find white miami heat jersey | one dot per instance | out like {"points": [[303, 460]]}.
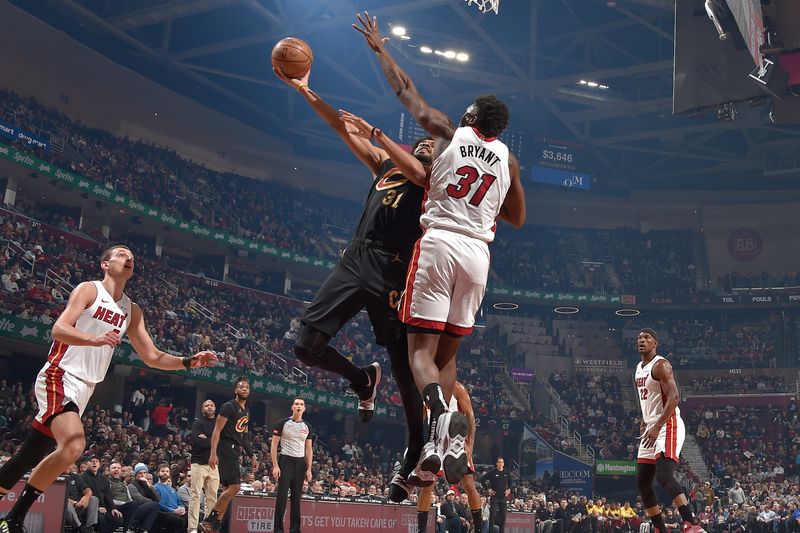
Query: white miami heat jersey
{"points": [[651, 399], [468, 185], [90, 363]]}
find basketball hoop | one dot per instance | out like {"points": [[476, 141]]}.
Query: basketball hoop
{"points": [[484, 6]]}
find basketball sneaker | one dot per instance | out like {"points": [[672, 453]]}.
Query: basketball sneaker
{"points": [[11, 525], [424, 474], [399, 489], [366, 396], [452, 437], [207, 527]]}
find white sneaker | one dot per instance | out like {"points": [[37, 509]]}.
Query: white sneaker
{"points": [[452, 436], [424, 474]]}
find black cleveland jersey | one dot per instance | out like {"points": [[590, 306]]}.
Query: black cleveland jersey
{"points": [[391, 213], [234, 433]]}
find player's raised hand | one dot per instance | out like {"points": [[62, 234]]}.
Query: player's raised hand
{"points": [[204, 358], [356, 125], [294, 83], [109, 338], [371, 31]]}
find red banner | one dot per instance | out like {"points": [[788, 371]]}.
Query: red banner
{"points": [[46, 514], [256, 514], [520, 523]]}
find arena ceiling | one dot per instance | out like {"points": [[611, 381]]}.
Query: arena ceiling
{"points": [[532, 55]]}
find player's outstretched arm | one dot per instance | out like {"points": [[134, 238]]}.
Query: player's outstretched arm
{"points": [[513, 209], [433, 120], [153, 357], [411, 167], [372, 156], [64, 329]]}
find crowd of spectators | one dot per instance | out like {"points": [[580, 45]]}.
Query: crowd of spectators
{"points": [[713, 342], [732, 339], [760, 444], [621, 260], [597, 413], [738, 384], [248, 329], [742, 280]]}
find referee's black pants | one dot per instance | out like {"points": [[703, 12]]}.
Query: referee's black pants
{"points": [[293, 472], [497, 513]]}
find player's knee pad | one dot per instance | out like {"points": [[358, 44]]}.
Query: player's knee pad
{"points": [[645, 472], [35, 448], [665, 477], [310, 345]]}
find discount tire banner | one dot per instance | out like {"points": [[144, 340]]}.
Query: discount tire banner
{"points": [[256, 514]]}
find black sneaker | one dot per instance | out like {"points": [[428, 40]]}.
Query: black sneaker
{"points": [[424, 473], [366, 396], [399, 489], [207, 527], [11, 525]]}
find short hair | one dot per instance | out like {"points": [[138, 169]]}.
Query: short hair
{"points": [[492, 116], [106, 255], [420, 141], [649, 331], [239, 380], [163, 465], [299, 398]]}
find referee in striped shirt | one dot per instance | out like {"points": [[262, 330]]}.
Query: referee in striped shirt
{"points": [[292, 437]]}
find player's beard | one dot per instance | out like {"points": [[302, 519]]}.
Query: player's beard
{"points": [[240, 397], [424, 159]]}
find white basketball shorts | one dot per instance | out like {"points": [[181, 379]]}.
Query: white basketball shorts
{"points": [[446, 282], [54, 389], [668, 444]]}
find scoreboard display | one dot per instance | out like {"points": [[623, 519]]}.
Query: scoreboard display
{"points": [[409, 130], [557, 162]]}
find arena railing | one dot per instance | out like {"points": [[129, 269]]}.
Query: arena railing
{"points": [[51, 277], [13, 247]]}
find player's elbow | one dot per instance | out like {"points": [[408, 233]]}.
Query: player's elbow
{"points": [[514, 217], [518, 221]]}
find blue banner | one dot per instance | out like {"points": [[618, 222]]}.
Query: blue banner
{"points": [[576, 476], [560, 177], [14, 133]]}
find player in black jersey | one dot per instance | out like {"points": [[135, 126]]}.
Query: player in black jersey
{"points": [[371, 275], [230, 436]]}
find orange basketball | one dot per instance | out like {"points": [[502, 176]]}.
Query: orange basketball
{"points": [[293, 57]]}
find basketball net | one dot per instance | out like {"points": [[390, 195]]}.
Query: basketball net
{"points": [[486, 5]]}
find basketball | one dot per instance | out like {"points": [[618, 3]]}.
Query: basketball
{"points": [[293, 57]]}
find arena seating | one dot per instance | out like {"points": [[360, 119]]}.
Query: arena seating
{"points": [[536, 257]]}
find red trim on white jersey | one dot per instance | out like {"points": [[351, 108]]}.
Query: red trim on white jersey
{"points": [[457, 330]]}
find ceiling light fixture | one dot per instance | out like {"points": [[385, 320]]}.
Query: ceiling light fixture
{"points": [[462, 56], [398, 31], [449, 54], [426, 49]]}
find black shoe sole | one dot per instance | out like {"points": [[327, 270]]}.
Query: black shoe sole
{"points": [[415, 481], [456, 467]]}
